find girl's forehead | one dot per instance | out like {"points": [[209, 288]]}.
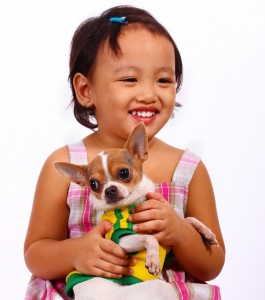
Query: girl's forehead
{"points": [[133, 40], [139, 33]]}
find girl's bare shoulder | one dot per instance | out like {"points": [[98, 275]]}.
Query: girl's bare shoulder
{"points": [[171, 152], [162, 157], [60, 154], [48, 172]]}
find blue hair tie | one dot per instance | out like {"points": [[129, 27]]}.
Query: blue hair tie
{"points": [[121, 20]]}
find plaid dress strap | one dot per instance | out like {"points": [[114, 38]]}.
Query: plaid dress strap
{"points": [[176, 191], [78, 153], [186, 167]]}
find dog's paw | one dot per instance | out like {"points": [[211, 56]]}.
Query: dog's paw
{"points": [[152, 264], [208, 235], [205, 232]]}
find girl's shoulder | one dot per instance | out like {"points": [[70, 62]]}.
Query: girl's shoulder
{"points": [[168, 151], [162, 157], [60, 154], [48, 170]]}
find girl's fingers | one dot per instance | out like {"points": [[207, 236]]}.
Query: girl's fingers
{"points": [[110, 271], [147, 205], [114, 249], [155, 196], [148, 227], [110, 265], [155, 201], [146, 215], [103, 227], [112, 259]]}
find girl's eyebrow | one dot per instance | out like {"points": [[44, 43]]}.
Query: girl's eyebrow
{"points": [[126, 68], [135, 68], [166, 69]]}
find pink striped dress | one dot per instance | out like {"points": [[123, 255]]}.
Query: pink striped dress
{"points": [[82, 218]]}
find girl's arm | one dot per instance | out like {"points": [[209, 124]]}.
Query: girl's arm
{"points": [[48, 252], [208, 260], [199, 259]]}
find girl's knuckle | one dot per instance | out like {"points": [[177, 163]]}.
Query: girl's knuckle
{"points": [[159, 225]]}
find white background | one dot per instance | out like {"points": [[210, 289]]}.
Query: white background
{"points": [[222, 44]]}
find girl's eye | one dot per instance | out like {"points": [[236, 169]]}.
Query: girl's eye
{"points": [[94, 185], [129, 79], [164, 80], [124, 174]]}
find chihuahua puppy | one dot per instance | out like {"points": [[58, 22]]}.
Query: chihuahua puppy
{"points": [[117, 185]]}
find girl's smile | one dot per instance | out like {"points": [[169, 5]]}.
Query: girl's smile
{"points": [[144, 114]]}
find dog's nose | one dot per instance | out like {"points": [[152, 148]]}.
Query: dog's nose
{"points": [[111, 191]]}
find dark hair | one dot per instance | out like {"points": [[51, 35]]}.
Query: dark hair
{"points": [[92, 33]]}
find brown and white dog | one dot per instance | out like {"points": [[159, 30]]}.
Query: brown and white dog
{"points": [[116, 180]]}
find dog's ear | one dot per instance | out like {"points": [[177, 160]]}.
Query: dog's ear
{"points": [[137, 143], [72, 172]]}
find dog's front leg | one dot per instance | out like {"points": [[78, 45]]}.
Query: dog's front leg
{"points": [[137, 242], [205, 232]]}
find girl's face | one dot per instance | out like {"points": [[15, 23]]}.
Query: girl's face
{"points": [[137, 86]]}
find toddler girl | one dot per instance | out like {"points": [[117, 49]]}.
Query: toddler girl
{"points": [[125, 68]]}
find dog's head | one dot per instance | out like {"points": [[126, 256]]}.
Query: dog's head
{"points": [[115, 176]]}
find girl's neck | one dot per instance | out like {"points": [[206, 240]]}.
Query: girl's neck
{"points": [[103, 142]]}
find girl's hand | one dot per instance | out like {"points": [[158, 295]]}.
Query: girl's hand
{"points": [[98, 256], [156, 216]]}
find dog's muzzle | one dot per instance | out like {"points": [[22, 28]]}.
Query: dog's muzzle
{"points": [[112, 194]]}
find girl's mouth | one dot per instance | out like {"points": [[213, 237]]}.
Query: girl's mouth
{"points": [[145, 116]]}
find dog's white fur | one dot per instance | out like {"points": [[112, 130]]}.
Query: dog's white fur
{"points": [[102, 289]]}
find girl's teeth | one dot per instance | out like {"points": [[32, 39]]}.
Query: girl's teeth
{"points": [[143, 114]]}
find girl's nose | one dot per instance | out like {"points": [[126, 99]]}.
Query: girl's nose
{"points": [[146, 94]]}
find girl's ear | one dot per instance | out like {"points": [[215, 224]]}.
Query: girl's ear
{"points": [[82, 88]]}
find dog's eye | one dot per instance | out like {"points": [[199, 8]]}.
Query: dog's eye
{"points": [[124, 174], [94, 185]]}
